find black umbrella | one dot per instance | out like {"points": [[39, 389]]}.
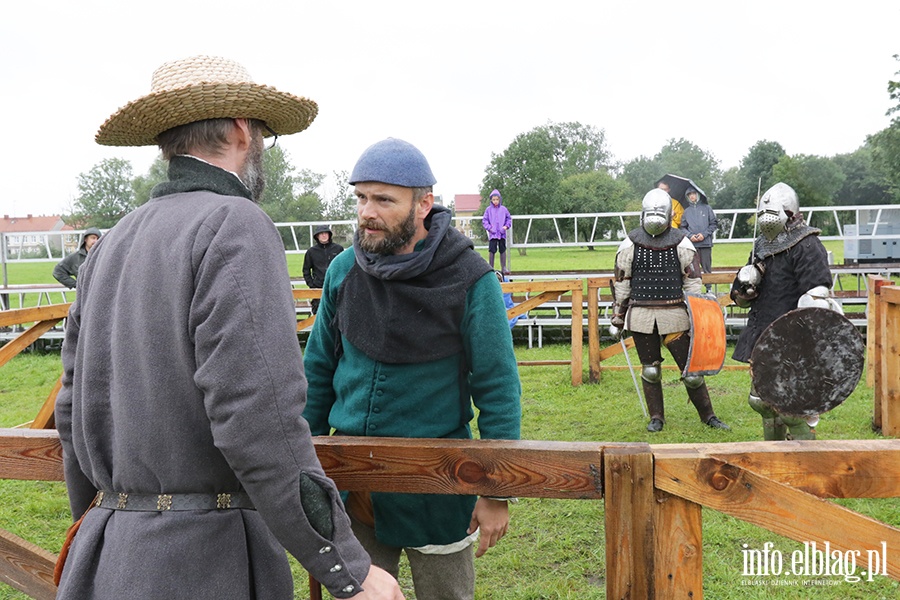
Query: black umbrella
{"points": [[678, 186]]}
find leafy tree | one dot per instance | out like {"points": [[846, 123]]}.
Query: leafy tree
{"points": [[596, 192], [678, 157], [886, 143], [863, 183], [341, 205], [815, 179], [753, 176], [144, 184], [105, 195], [529, 172]]}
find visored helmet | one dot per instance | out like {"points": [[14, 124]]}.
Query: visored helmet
{"points": [[656, 212], [777, 205]]}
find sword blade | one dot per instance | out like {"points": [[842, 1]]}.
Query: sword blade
{"points": [[634, 378]]}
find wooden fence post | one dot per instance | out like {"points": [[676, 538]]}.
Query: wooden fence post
{"points": [[678, 552], [593, 302], [628, 514], [874, 334], [577, 333], [890, 361]]}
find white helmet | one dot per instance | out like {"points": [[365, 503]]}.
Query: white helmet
{"points": [[776, 206], [656, 211]]}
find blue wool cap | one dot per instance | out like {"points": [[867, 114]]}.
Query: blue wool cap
{"points": [[394, 162]]}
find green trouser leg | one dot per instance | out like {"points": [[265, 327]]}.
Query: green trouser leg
{"points": [[773, 427], [799, 428]]}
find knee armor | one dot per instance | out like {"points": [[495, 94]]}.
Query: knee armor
{"points": [[651, 373], [692, 382]]}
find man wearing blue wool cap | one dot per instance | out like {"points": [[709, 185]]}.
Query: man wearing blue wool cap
{"points": [[411, 331]]}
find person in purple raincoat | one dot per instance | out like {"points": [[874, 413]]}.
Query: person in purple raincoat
{"points": [[497, 222]]}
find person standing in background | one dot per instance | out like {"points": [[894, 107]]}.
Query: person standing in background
{"points": [[496, 222]]}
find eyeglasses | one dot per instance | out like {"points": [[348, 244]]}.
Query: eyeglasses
{"points": [[274, 136]]}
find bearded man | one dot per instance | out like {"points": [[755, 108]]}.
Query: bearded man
{"points": [[183, 388], [411, 331]]}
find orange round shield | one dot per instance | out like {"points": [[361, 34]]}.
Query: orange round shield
{"points": [[707, 353]]}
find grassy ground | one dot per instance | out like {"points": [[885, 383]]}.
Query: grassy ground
{"points": [[555, 548]]}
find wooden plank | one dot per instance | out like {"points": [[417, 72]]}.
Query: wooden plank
{"points": [[28, 337], [30, 454], [577, 335], [26, 567], [307, 322], [593, 333], [307, 294], [890, 364], [530, 303], [556, 285], [891, 294], [543, 363], [483, 467], [779, 508], [45, 418], [615, 349], [678, 556], [37, 313], [874, 336], [628, 515], [824, 468]]}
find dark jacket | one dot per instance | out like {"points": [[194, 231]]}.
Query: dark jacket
{"points": [[699, 218], [318, 257], [789, 275], [66, 270]]}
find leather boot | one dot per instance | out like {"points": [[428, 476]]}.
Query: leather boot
{"points": [[654, 395], [503, 268], [491, 256]]}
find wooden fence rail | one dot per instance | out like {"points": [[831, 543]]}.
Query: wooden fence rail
{"points": [[653, 495]]}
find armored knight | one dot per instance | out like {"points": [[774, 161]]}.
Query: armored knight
{"points": [[788, 268], [655, 265]]}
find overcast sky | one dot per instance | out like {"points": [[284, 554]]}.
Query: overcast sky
{"points": [[460, 79]]}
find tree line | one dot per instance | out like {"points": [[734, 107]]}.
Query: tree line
{"points": [[556, 168]]}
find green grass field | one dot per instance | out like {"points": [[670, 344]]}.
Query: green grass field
{"points": [[555, 548]]}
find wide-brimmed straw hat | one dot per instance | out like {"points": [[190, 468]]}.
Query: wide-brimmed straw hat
{"points": [[198, 88]]}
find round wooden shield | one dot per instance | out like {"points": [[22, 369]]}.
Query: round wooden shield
{"points": [[807, 361]]}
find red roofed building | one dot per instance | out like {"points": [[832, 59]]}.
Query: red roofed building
{"points": [[25, 235], [466, 205]]}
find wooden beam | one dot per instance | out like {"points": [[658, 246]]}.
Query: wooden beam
{"points": [[824, 468], [26, 567], [890, 361], [448, 466], [779, 508], [28, 337], [873, 341], [616, 349], [628, 515], [593, 292], [577, 335], [30, 454], [37, 313], [678, 555], [46, 419]]}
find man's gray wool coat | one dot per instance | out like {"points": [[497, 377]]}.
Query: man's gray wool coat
{"points": [[182, 373]]}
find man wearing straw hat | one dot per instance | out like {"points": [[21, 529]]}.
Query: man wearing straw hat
{"points": [[180, 413]]}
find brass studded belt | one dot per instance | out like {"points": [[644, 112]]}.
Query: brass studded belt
{"points": [[163, 502]]}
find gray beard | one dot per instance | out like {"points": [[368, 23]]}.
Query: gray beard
{"points": [[252, 173]]}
